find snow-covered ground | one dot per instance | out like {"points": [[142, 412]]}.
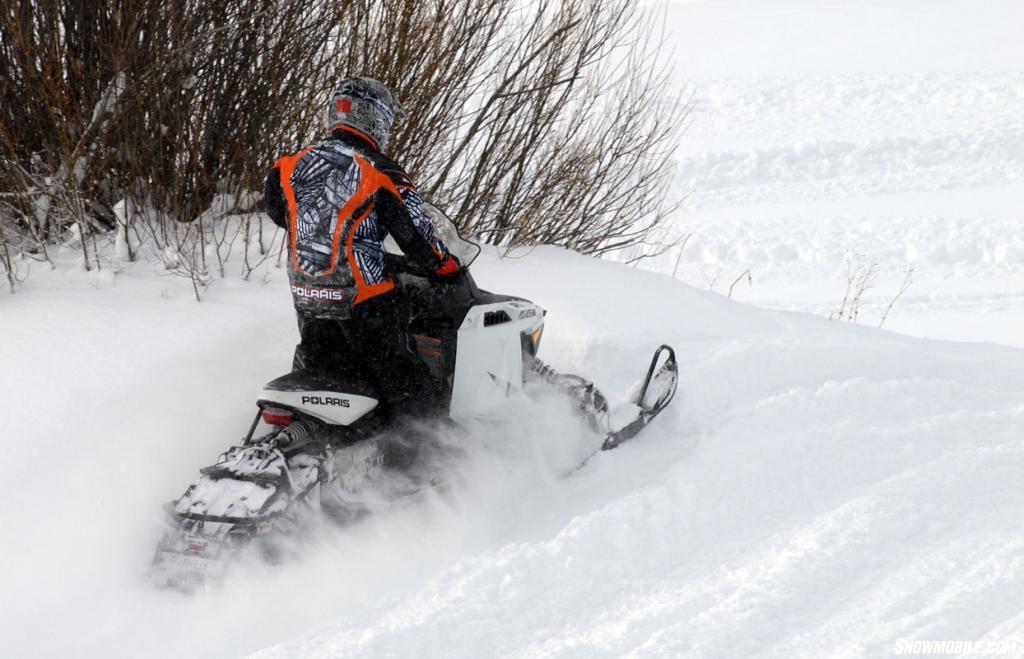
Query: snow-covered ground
{"points": [[819, 488], [880, 133]]}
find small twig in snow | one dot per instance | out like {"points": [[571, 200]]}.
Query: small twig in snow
{"points": [[908, 279], [745, 273], [679, 257]]}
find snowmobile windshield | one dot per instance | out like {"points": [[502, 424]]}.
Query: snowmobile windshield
{"points": [[464, 250]]}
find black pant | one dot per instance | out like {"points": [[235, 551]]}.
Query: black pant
{"points": [[374, 342]]}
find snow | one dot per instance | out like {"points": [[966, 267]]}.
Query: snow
{"points": [[817, 488], [890, 132], [783, 505]]}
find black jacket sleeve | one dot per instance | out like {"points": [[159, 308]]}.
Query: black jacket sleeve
{"points": [[395, 217], [273, 199]]}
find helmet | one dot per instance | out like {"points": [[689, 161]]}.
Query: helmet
{"points": [[365, 105]]}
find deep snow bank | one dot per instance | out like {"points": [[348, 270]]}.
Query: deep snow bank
{"points": [[818, 487]]}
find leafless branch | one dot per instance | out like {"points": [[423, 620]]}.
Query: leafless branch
{"points": [[746, 274], [908, 279]]}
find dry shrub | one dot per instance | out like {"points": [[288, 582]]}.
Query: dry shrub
{"points": [[541, 122], [162, 102]]}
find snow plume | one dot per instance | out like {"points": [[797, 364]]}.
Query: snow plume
{"points": [[109, 426], [501, 484]]}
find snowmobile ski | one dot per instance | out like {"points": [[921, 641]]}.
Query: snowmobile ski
{"points": [[656, 393]]}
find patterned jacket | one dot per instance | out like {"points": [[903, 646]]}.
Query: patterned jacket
{"points": [[338, 200]]}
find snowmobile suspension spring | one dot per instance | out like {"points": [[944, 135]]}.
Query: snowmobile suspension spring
{"points": [[564, 380], [295, 434]]}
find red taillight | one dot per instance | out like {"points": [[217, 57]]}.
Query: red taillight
{"points": [[275, 416]]}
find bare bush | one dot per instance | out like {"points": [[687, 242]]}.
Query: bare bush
{"points": [[541, 122], [544, 124], [6, 261], [164, 103], [861, 273]]}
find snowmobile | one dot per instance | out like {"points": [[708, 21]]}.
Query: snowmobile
{"points": [[316, 435]]}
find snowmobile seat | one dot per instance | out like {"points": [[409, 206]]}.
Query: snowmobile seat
{"points": [[311, 379]]}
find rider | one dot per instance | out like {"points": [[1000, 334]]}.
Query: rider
{"points": [[339, 199]]}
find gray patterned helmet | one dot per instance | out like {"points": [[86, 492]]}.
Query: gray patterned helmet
{"points": [[365, 105]]}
